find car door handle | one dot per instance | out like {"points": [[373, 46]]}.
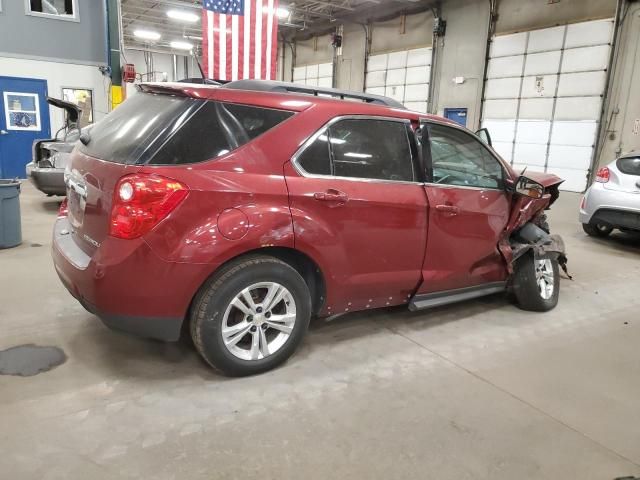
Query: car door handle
{"points": [[331, 195], [448, 209]]}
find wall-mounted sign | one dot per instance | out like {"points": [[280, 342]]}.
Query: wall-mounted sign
{"points": [[636, 127]]}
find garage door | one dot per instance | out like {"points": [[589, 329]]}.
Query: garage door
{"points": [[316, 75], [403, 76], [543, 97]]}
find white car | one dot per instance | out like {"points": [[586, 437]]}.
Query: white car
{"points": [[613, 201]]}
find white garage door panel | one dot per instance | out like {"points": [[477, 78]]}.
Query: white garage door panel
{"points": [[504, 149], [505, 67], [416, 106], [325, 82], [501, 108], [500, 130], [505, 45], [419, 56], [530, 154], [589, 33], [376, 90], [418, 75], [573, 133], [532, 131], [574, 180], [325, 70], [376, 79], [502, 88], [581, 84], [578, 108], [299, 73], [536, 108], [395, 92], [416, 93], [547, 88], [397, 60], [542, 63], [585, 58], [377, 62], [563, 156], [312, 71], [396, 77], [312, 81], [545, 39]]}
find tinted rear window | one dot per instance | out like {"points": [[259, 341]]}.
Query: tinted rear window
{"points": [[629, 165], [168, 130]]}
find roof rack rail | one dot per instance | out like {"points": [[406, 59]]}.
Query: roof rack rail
{"points": [[286, 87]]}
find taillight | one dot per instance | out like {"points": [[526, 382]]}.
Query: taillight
{"points": [[63, 211], [602, 175], [141, 201]]}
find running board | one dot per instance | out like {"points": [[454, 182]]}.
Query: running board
{"points": [[430, 300]]}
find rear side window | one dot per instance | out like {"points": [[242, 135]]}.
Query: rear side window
{"points": [[168, 130], [315, 159], [629, 165]]}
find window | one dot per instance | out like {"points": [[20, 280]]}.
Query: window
{"points": [[83, 98], [60, 9], [629, 165], [371, 149], [457, 158], [22, 111], [170, 130]]}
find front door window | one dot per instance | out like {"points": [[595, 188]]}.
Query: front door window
{"points": [[22, 111]]}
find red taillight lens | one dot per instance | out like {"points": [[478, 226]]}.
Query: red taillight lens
{"points": [[603, 175], [63, 211], [141, 201]]}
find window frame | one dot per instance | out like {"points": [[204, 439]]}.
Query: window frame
{"points": [[65, 18], [93, 119], [506, 174], [415, 162]]}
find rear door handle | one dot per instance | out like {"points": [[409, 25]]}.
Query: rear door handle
{"points": [[331, 195], [449, 209]]}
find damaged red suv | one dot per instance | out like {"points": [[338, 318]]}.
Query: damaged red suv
{"points": [[244, 210]]}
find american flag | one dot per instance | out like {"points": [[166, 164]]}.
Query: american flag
{"points": [[240, 39]]}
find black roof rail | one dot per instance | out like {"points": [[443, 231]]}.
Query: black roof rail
{"points": [[286, 87]]}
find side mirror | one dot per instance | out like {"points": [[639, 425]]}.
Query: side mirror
{"points": [[529, 188], [484, 135]]}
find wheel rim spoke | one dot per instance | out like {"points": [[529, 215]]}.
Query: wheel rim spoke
{"points": [[232, 335], [255, 345], [280, 327], [246, 296], [240, 305]]}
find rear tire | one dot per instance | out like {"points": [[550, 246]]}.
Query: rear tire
{"points": [[597, 229], [536, 282], [238, 328]]}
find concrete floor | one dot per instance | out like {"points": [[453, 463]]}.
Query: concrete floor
{"points": [[471, 391]]}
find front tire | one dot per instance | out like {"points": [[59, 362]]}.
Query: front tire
{"points": [[251, 316], [536, 282], [597, 229]]}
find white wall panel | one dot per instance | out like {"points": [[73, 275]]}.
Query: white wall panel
{"points": [[325, 70], [312, 82], [507, 108], [418, 74], [578, 108], [589, 33], [505, 45], [397, 60], [500, 130], [505, 66], [377, 63], [531, 154], [536, 108], [416, 93], [325, 82], [504, 149], [502, 88], [533, 131], [574, 133], [312, 71], [396, 92], [539, 86], [574, 180], [585, 58], [418, 56], [581, 84], [416, 106], [376, 90], [396, 76], [376, 79], [299, 73], [567, 156], [546, 39], [542, 63]]}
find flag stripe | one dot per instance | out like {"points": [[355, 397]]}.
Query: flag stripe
{"points": [[234, 47], [267, 26], [246, 51]]}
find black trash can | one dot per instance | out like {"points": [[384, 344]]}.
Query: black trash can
{"points": [[10, 228]]}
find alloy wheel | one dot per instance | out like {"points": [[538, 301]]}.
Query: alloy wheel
{"points": [[544, 277]]}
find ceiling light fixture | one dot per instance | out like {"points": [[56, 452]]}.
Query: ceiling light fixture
{"points": [[147, 34], [183, 16], [181, 45]]}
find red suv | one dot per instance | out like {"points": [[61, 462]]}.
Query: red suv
{"points": [[246, 209]]}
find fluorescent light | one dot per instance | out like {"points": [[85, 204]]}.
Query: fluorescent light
{"points": [[147, 34], [357, 155], [282, 12], [183, 16], [181, 45]]}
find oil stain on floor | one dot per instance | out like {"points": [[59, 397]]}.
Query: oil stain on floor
{"points": [[29, 360]]}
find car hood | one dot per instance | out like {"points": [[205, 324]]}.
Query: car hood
{"points": [[73, 111]]}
